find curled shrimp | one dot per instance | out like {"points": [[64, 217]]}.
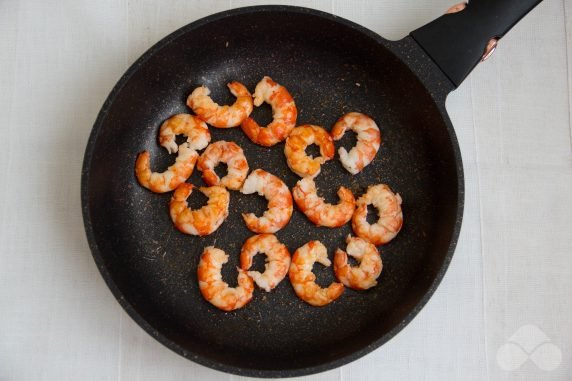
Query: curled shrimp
{"points": [[221, 116], [277, 260], [295, 149], [196, 131], [363, 276], [368, 141], [205, 220], [390, 216], [198, 137], [317, 210], [214, 289], [284, 114], [303, 279], [175, 175], [279, 202], [229, 153]]}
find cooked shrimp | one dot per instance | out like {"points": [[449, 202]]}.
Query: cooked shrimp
{"points": [[214, 289], [295, 149], [229, 153], [277, 260], [390, 216], [196, 131], [221, 116], [279, 202], [284, 114], [175, 175], [368, 141], [317, 210], [363, 276], [205, 220], [303, 279]]}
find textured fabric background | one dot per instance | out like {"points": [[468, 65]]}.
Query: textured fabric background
{"points": [[512, 270]]}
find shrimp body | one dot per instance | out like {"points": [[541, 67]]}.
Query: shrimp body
{"points": [[284, 114], [277, 260], [214, 289], [196, 131], [229, 153], [303, 279], [279, 202], [317, 210], [221, 116], [205, 220], [390, 216], [175, 175], [368, 140], [363, 276], [295, 149]]}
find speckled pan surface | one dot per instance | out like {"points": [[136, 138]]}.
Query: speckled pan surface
{"points": [[330, 66]]}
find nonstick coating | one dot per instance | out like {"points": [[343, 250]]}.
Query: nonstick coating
{"points": [[331, 67]]}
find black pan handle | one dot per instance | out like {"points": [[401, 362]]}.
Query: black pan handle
{"points": [[457, 41]]}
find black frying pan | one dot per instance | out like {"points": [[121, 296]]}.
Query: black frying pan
{"points": [[331, 66]]}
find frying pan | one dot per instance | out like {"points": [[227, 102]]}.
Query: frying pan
{"points": [[331, 66]]}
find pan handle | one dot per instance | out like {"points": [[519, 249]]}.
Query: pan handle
{"points": [[467, 34]]}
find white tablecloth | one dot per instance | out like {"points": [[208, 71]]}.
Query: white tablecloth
{"points": [[513, 266]]}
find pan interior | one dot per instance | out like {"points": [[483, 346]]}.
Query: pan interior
{"points": [[330, 68]]}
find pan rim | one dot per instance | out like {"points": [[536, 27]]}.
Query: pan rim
{"points": [[140, 320]]}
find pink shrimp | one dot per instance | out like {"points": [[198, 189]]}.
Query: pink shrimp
{"points": [[279, 202], [277, 260], [303, 279], [196, 131], [364, 275], [170, 179], [284, 114], [214, 289], [368, 141], [317, 210], [229, 153], [221, 116], [205, 220], [295, 149], [390, 216]]}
